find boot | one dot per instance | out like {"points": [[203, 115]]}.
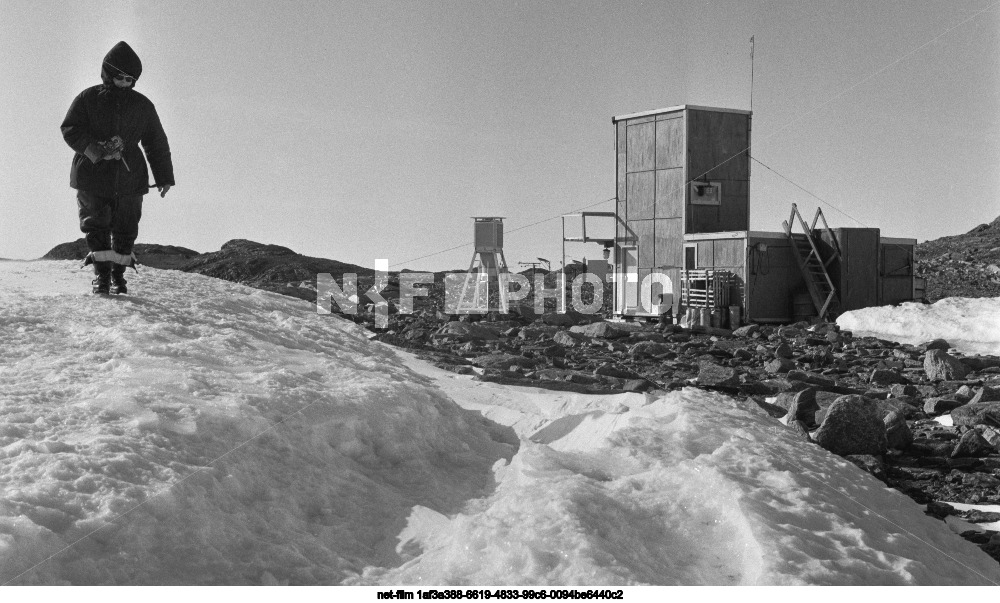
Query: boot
{"points": [[118, 280], [102, 284]]}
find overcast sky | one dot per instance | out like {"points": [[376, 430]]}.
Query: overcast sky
{"points": [[363, 130]]}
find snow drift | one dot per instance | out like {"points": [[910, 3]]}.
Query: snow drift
{"points": [[971, 325], [201, 432]]}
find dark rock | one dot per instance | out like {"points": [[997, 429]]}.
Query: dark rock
{"points": [[610, 370], [897, 432], [904, 406], [963, 393], [977, 516], [650, 348], [801, 406], [940, 509], [567, 339], [811, 379], [870, 463], [884, 377], [990, 434], [504, 361], [852, 426], [783, 351], [553, 351], [940, 366], [599, 329], [825, 399], [972, 445], [986, 394], [772, 409], [533, 332], [982, 413], [899, 390], [779, 365], [934, 344], [747, 330], [465, 331], [939, 406], [567, 319], [713, 375], [148, 254]]}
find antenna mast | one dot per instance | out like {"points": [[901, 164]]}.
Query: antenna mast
{"points": [[751, 74]]}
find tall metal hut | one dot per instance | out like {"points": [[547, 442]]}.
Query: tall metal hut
{"points": [[683, 211]]}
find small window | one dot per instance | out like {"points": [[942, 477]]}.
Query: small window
{"points": [[706, 193], [690, 257]]}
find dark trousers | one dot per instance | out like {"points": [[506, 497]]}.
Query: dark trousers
{"points": [[109, 222]]}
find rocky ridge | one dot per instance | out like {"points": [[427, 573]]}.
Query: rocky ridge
{"points": [[965, 265], [148, 254]]}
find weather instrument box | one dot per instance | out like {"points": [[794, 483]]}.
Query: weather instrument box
{"points": [[488, 234]]}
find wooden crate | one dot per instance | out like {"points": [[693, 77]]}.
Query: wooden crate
{"points": [[706, 288]]}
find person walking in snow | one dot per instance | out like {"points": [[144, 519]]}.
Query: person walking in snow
{"points": [[105, 125]]}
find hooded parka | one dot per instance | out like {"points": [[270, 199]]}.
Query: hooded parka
{"points": [[101, 112]]}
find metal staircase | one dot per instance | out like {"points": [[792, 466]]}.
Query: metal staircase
{"points": [[811, 262]]}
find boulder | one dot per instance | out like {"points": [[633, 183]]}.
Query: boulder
{"points": [[884, 377], [553, 351], [599, 329], [532, 332], [940, 366], [610, 370], [986, 394], [939, 405], [899, 390], [504, 361], [713, 375], [935, 344], [852, 426], [650, 348], [746, 331], [897, 432], [825, 399], [940, 509], [466, 331], [779, 365], [567, 319], [783, 351], [981, 413], [810, 378], [567, 339], [972, 445], [990, 434], [801, 406]]}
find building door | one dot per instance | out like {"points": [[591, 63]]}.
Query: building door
{"points": [[629, 290]]}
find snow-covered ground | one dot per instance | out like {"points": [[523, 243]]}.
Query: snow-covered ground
{"points": [[970, 325], [201, 432]]}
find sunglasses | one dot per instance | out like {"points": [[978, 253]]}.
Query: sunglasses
{"points": [[128, 79]]}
